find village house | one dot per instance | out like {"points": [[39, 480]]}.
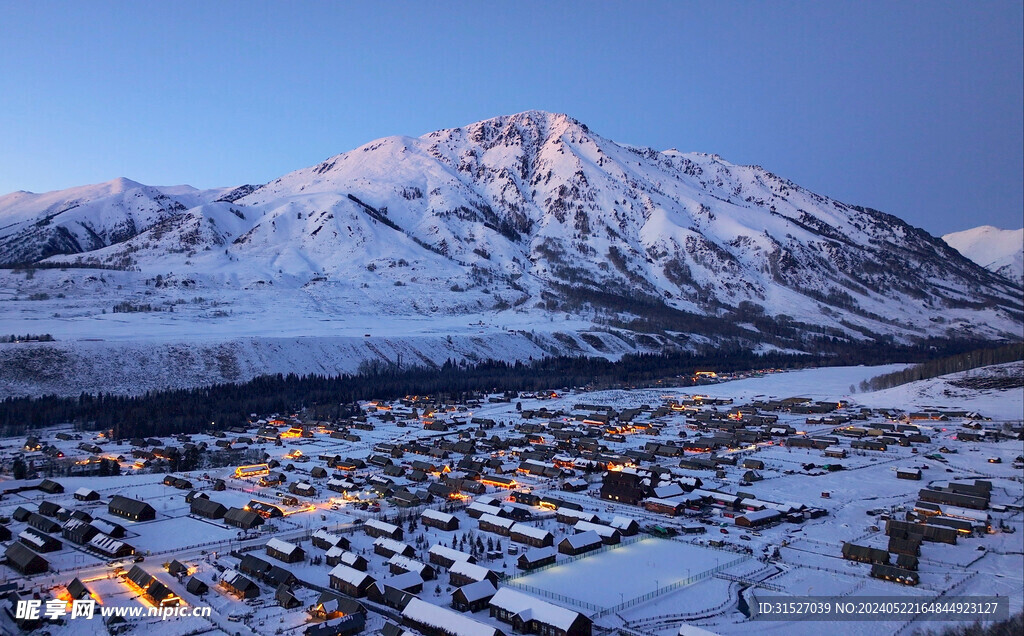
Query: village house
{"points": [[196, 586], [446, 557], [388, 548], [244, 519], [284, 551], [350, 581], [580, 543], [864, 554], [131, 509], [237, 584], [531, 535], [625, 525], [496, 524], [21, 558], [440, 520], [326, 540], [87, 494], [109, 546], [462, 573], [207, 508], [399, 564], [433, 620], [338, 554], [375, 528], [473, 597], [609, 535], [757, 518], [531, 615]]}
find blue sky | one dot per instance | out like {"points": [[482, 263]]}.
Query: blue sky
{"points": [[914, 108]]}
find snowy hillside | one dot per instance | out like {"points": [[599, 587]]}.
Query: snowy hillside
{"points": [[34, 226], [999, 251], [995, 391], [530, 223]]}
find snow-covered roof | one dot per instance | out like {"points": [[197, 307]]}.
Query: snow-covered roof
{"points": [[668, 490], [407, 564], [383, 526], [446, 620], [349, 575], [84, 491], [106, 543], [403, 581], [469, 570], [621, 522], [758, 515], [74, 523], [452, 554], [520, 603], [477, 506], [576, 514], [32, 538], [954, 511], [530, 531], [104, 526], [443, 517], [329, 537], [664, 502], [478, 590], [583, 539], [718, 496], [281, 546], [536, 554], [497, 521], [391, 544], [781, 507], [603, 530]]}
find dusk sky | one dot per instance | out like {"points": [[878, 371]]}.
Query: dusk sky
{"points": [[913, 108]]}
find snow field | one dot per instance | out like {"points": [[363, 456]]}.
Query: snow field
{"points": [[618, 575]]}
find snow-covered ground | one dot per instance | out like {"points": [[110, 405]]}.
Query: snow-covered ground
{"points": [[622, 574], [942, 392], [809, 552]]}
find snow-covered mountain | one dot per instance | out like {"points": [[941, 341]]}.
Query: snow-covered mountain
{"points": [[999, 251], [503, 225], [86, 218]]}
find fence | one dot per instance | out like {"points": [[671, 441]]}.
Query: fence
{"points": [[600, 611], [749, 582], [555, 596], [570, 559], [668, 588]]}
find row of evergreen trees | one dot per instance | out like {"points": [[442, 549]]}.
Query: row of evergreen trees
{"points": [[224, 405], [949, 364]]}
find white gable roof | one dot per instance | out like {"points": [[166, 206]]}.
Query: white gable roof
{"points": [[520, 603]]}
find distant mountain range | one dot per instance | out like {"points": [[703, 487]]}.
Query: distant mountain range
{"points": [[999, 251], [529, 226]]}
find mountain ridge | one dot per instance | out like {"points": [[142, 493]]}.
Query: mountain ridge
{"points": [[999, 251], [505, 224]]}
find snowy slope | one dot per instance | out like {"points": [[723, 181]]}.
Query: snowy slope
{"points": [[86, 218], [529, 223], [999, 251], [995, 391]]}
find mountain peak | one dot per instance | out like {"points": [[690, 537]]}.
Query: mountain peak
{"points": [[997, 250], [532, 213]]}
